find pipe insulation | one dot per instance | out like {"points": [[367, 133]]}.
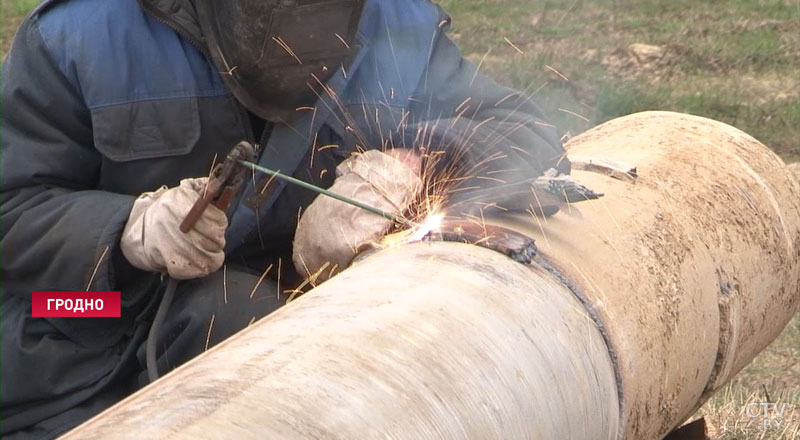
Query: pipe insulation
{"points": [[638, 307]]}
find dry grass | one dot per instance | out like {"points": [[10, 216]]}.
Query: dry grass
{"points": [[11, 14], [773, 376], [739, 416]]}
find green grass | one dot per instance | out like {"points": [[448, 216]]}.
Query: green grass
{"points": [[19, 7], [734, 60], [11, 14]]}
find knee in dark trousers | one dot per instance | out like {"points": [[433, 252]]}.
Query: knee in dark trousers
{"points": [[207, 311], [51, 383]]}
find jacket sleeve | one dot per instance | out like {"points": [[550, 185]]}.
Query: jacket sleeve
{"points": [[57, 232], [496, 140]]}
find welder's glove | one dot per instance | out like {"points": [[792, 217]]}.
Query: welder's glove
{"points": [[152, 240], [331, 231]]}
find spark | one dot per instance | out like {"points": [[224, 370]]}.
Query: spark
{"points": [[313, 149], [443, 166], [333, 270], [285, 47], [491, 179], [610, 214], [430, 54], [258, 229], [342, 40], [279, 278], [402, 122], [477, 69], [266, 185], [538, 203], [483, 224], [211, 170], [225, 62], [539, 223], [574, 114], [260, 280], [432, 223], [505, 98], [230, 72], [394, 56], [566, 198], [96, 266], [310, 280], [561, 75], [463, 103], [208, 336], [417, 233], [520, 150]]}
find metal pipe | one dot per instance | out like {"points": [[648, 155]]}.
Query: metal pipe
{"points": [[694, 267], [457, 342], [640, 306]]}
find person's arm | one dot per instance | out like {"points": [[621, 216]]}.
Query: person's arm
{"points": [[57, 232], [496, 136]]}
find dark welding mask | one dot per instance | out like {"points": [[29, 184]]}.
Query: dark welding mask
{"points": [[273, 54]]}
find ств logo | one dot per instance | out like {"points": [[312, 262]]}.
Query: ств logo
{"points": [[75, 304], [770, 415]]}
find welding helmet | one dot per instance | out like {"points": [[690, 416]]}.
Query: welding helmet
{"points": [[273, 54]]}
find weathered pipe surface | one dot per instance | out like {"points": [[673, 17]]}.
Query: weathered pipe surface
{"points": [[683, 277], [432, 340], [693, 269]]}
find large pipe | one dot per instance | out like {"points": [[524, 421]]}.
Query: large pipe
{"points": [[457, 342], [694, 268], [641, 305]]}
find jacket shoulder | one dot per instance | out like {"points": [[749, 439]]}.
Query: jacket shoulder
{"points": [[397, 36], [114, 53]]}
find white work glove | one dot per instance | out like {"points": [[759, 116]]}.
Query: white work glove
{"points": [[152, 240], [331, 231]]}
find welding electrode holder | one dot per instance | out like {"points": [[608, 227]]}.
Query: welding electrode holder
{"points": [[225, 181]]}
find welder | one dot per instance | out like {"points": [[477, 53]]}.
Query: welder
{"points": [[113, 113]]}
